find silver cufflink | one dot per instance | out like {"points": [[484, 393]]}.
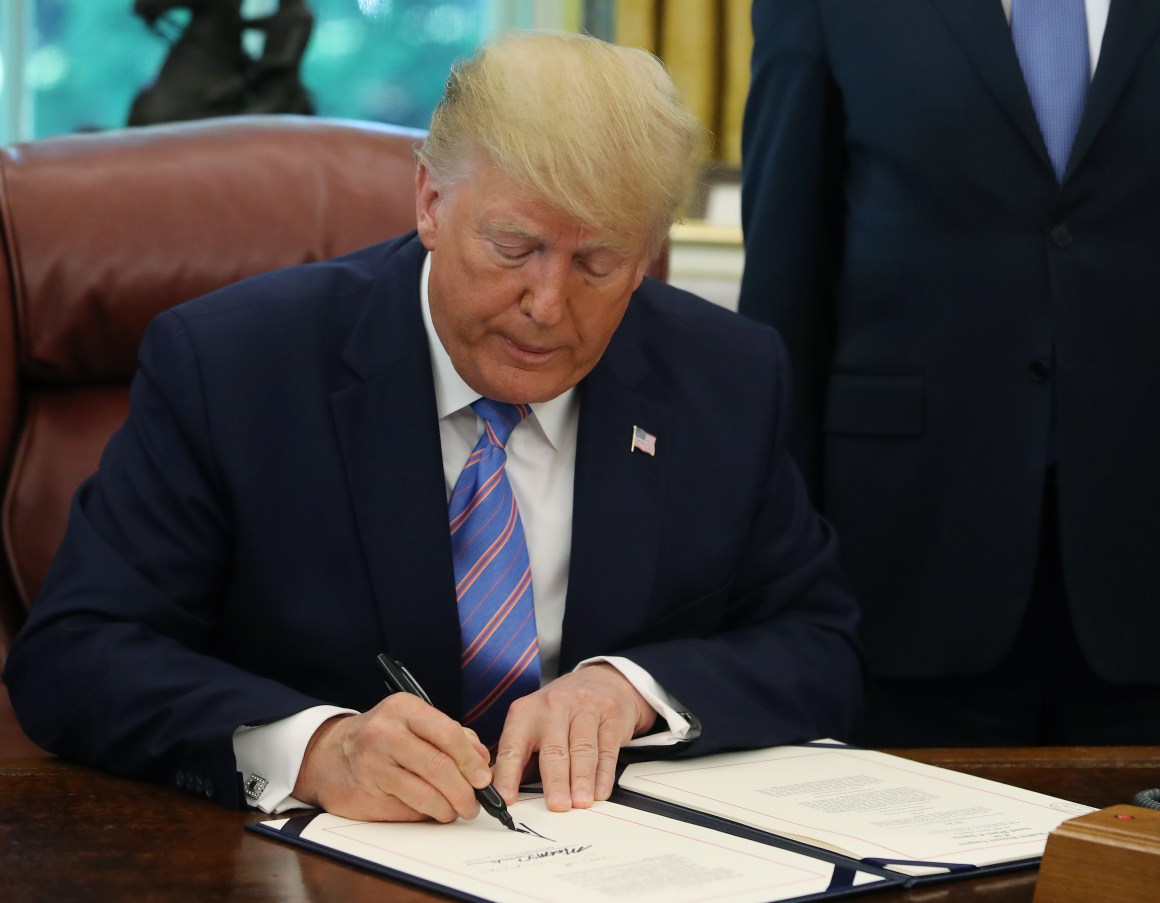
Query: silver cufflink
{"points": [[255, 785]]}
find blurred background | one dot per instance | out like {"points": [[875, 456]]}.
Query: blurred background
{"points": [[74, 65], [77, 65]]}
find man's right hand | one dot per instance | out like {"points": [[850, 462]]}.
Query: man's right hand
{"points": [[401, 761]]}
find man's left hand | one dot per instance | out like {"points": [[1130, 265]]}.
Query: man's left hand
{"points": [[577, 724]]}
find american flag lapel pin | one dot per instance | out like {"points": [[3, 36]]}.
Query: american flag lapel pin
{"points": [[644, 441]]}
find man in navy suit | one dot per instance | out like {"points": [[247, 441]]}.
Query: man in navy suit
{"points": [[274, 513], [970, 295]]}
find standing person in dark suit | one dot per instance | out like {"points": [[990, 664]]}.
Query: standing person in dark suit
{"points": [[965, 265], [629, 526]]}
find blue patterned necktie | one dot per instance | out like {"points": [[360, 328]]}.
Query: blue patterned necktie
{"points": [[1052, 45], [493, 579]]}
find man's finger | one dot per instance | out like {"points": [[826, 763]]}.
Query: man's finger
{"points": [[608, 743], [514, 749], [555, 769], [443, 757], [425, 797], [582, 761], [477, 745]]}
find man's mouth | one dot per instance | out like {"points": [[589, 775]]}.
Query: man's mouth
{"points": [[532, 353]]}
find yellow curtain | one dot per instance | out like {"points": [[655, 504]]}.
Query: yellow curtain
{"points": [[706, 44]]}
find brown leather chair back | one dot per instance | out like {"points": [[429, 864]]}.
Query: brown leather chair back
{"points": [[100, 232]]}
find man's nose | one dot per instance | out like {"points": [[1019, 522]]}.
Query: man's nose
{"points": [[546, 294]]}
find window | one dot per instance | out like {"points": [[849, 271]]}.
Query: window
{"points": [[70, 66]]}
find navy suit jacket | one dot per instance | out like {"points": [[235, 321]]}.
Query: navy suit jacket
{"points": [[273, 515], [958, 318]]}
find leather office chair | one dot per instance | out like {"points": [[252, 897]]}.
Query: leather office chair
{"points": [[101, 232]]}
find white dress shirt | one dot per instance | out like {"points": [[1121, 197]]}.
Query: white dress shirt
{"points": [[541, 462]]}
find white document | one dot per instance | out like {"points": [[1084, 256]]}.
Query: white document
{"points": [[907, 816], [608, 852]]}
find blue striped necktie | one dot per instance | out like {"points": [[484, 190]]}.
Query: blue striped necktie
{"points": [[493, 579], [1051, 42]]}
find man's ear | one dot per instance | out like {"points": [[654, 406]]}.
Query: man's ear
{"points": [[641, 269], [427, 198]]}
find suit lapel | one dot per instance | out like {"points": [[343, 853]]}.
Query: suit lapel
{"points": [[389, 436], [618, 506], [985, 36], [1131, 28]]}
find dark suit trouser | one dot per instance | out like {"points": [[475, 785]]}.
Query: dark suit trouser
{"points": [[1043, 693]]}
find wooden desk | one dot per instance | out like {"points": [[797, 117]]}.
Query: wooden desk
{"points": [[68, 833]]}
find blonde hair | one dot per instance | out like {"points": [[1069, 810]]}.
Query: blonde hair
{"points": [[595, 129]]}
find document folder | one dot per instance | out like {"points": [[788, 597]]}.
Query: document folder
{"points": [[609, 850], [879, 810], [809, 822]]}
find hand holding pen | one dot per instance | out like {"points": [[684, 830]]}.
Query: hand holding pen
{"points": [[400, 680], [402, 760]]}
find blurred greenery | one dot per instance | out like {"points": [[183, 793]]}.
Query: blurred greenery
{"points": [[384, 60]]}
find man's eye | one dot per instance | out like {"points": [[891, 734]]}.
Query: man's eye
{"points": [[599, 266], [510, 253], [595, 272]]}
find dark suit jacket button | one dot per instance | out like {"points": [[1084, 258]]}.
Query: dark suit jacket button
{"points": [[1040, 370], [1061, 235]]}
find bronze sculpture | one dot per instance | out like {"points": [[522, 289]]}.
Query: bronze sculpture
{"points": [[208, 72]]}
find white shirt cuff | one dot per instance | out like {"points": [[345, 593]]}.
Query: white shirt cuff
{"points": [[682, 726], [269, 757]]}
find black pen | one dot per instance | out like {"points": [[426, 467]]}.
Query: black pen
{"points": [[399, 680]]}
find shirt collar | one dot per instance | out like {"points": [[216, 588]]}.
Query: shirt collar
{"points": [[453, 394]]}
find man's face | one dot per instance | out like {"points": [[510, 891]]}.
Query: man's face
{"points": [[523, 297]]}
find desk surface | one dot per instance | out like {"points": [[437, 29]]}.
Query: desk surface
{"points": [[68, 833]]}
